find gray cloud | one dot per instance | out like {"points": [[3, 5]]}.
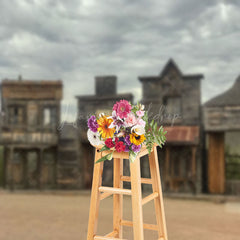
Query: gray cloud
{"points": [[76, 40]]}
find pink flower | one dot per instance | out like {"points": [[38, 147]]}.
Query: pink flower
{"points": [[115, 107], [122, 108], [141, 122], [130, 120], [140, 113]]}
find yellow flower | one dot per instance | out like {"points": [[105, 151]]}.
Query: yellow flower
{"points": [[104, 129], [137, 139]]}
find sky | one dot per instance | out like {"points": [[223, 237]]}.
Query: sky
{"points": [[76, 40]]}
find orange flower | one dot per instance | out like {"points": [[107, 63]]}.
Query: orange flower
{"points": [[104, 129]]}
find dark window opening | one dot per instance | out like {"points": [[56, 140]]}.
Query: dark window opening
{"points": [[16, 115], [173, 105]]}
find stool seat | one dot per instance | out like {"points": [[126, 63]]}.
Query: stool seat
{"points": [[100, 192]]}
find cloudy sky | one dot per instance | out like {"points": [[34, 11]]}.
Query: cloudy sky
{"points": [[75, 40]]}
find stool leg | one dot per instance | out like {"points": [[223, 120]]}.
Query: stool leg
{"points": [[136, 200], [158, 202], [95, 197], [117, 198]]}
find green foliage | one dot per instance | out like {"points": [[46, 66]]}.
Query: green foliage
{"points": [[104, 148], [132, 156], [135, 108], [153, 134], [145, 117], [106, 157], [232, 167]]}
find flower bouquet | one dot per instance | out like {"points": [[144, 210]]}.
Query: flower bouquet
{"points": [[126, 130]]}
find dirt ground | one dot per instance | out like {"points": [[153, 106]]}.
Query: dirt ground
{"points": [[49, 216]]}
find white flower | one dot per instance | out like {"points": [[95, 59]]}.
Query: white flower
{"points": [[138, 129], [94, 138], [120, 134], [142, 107], [117, 121]]}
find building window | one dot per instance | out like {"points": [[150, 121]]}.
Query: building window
{"points": [[173, 105], [49, 116], [16, 115]]}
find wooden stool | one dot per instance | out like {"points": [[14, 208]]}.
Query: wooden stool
{"points": [[99, 193]]}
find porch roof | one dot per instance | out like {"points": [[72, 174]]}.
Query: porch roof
{"points": [[182, 135]]}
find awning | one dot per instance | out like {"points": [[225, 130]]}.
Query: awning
{"points": [[182, 135]]}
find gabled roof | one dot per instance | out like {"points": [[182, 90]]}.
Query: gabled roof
{"points": [[229, 98], [170, 64]]}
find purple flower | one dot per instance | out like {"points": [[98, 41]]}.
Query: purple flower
{"points": [[92, 123], [127, 140], [136, 148], [126, 148]]}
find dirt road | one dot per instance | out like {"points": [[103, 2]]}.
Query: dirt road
{"points": [[36, 216]]}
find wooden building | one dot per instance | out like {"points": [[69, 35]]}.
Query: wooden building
{"points": [[69, 164], [103, 100], [221, 115], [29, 132], [173, 99]]}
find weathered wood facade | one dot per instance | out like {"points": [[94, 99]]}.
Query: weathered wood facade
{"points": [[37, 154], [221, 115], [69, 163], [174, 99], [106, 95], [31, 115], [180, 163]]}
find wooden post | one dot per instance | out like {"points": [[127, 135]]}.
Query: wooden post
{"points": [[216, 163], [11, 152], [95, 197], [136, 199], [117, 198], [39, 167], [193, 165], [167, 164], [5, 164], [25, 169], [158, 201], [172, 174], [55, 172]]}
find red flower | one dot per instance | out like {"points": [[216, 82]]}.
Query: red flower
{"points": [[109, 143], [120, 147]]}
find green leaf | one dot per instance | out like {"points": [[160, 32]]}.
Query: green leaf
{"points": [[132, 156], [145, 117], [155, 127], [109, 156], [151, 124], [104, 158], [158, 141], [104, 148]]}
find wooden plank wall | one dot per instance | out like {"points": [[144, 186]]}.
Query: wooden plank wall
{"points": [[216, 163]]}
